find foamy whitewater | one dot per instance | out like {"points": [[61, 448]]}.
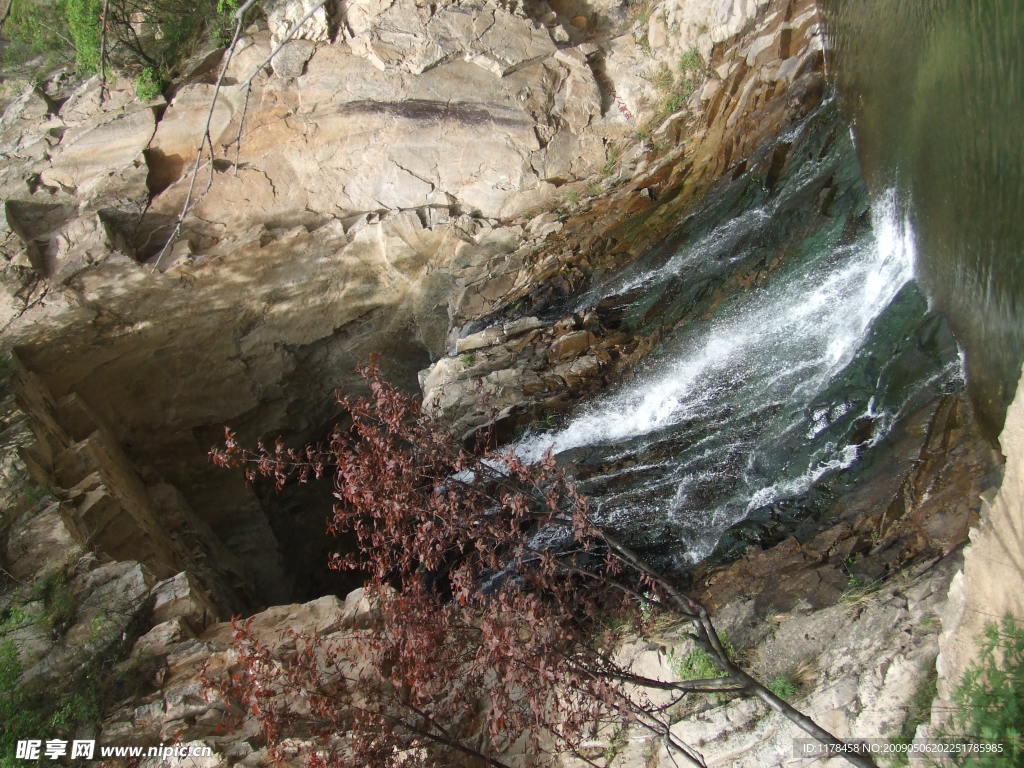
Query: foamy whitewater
{"points": [[722, 395]]}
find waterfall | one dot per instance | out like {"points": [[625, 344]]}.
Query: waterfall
{"points": [[779, 388]]}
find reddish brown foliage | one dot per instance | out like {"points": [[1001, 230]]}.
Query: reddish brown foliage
{"points": [[489, 580]]}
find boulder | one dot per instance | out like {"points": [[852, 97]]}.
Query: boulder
{"points": [[85, 159], [180, 597]]}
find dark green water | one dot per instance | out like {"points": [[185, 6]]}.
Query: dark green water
{"points": [[769, 396], [935, 92]]}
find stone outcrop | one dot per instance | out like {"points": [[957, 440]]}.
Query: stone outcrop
{"points": [[180, 709], [437, 182], [384, 195], [987, 587], [762, 78]]}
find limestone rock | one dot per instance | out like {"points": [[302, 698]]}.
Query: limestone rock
{"points": [[163, 637], [580, 99], [29, 106], [180, 598], [291, 60], [86, 158], [979, 593], [285, 16], [44, 541], [571, 345], [177, 137], [400, 35]]}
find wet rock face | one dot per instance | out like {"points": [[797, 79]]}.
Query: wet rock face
{"points": [[759, 78], [376, 190]]}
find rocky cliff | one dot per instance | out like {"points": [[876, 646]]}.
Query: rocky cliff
{"points": [[399, 175], [427, 181]]}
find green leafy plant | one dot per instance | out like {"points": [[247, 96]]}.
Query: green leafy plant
{"points": [[59, 708], [858, 589], [612, 161], [53, 590], [663, 79], [33, 30], [697, 664], [83, 20], [990, 698], [149, 84], [783, 686], [677, 87], [691, 62], [34, 494]]}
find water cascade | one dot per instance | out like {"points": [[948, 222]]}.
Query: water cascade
{"points": [[754, 405]]}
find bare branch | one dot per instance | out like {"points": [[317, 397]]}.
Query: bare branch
{"points": [[205, 139], [103, 50]]}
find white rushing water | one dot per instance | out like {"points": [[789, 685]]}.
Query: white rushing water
{"points": [[747, 376], [786, 337]]}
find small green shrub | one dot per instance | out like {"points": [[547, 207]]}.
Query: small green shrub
{"points": [[783, 686], [17, 719], [691, 62], [990, 698], [858, 589], [149, 84], [60, 708], [34, 494], [612, 161], [26, 712], [663, 79], [53, 590], [83, 20], [697, 664], [677, 87], [34, 29], [468, 359]]}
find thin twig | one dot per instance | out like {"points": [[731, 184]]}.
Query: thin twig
{"points": [[103, 50], [206, 139], [241, 125], [287, 38]]}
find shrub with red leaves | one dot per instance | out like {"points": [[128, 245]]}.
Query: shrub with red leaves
{"points": [[490, 582]]}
